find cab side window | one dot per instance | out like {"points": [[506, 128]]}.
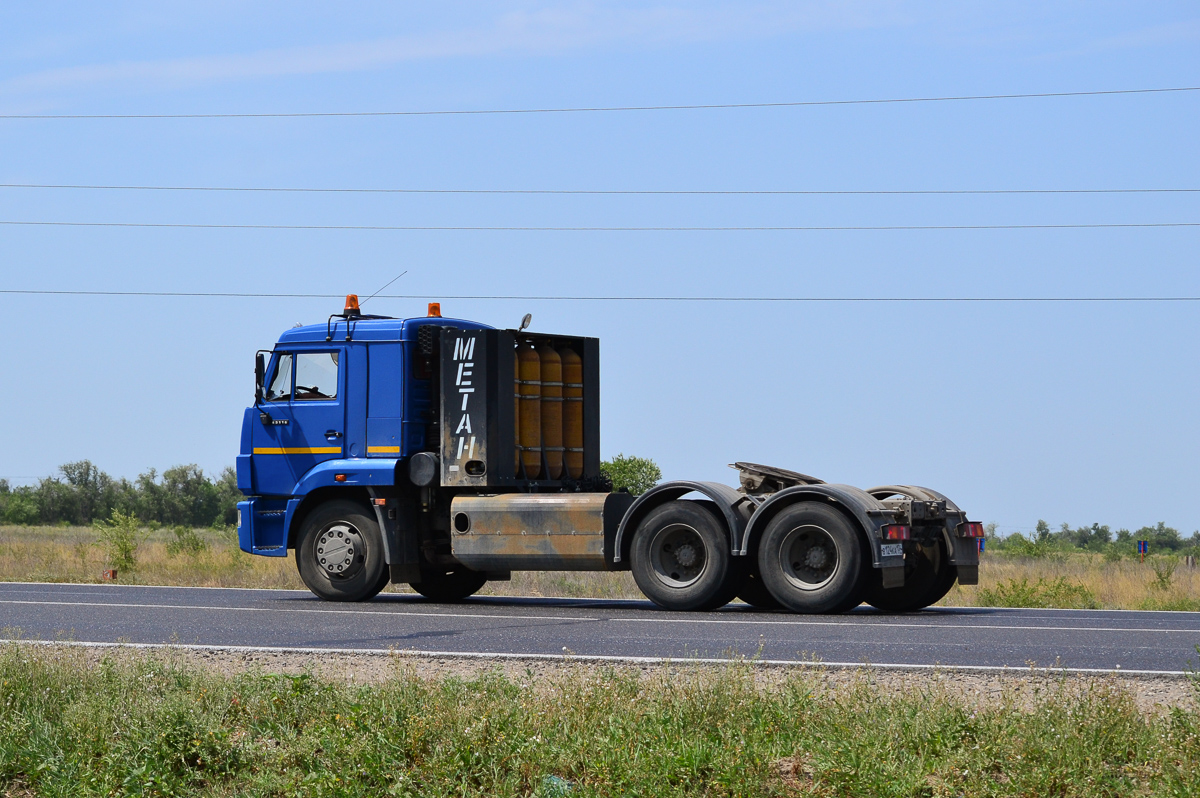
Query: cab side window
{"points": [[316, 375], [280, 388]]}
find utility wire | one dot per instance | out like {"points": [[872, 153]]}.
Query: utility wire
{"points": [[599, 109], [385, 285], [622, 192], [480, 297], [566, 229]]}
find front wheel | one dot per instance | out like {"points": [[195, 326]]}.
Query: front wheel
{"points": [[340, 556], [681, 560], [811, 559]]}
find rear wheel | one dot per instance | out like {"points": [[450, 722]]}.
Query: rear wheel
{"points": [[811, 559], [681, 560], [928, 576], [448, 585], [340, 556]]}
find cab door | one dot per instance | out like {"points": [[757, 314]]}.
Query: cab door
{"points": [[302, 418]]}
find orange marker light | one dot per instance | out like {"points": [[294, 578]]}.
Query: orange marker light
{"points": [[339, 477], [435, 309]]}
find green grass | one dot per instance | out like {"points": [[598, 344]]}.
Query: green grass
{"points": [[144, 726]]}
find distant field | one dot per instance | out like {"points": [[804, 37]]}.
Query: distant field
{"points": [[207, 557]]}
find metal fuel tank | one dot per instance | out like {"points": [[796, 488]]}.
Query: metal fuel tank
{"points": [[537, 531], [529, 386], [552, 410], [572, 375]]}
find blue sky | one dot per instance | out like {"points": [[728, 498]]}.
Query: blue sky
{"points": [[1068, 412]]}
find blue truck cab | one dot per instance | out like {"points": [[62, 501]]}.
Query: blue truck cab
{"points": [[443, 453], [339, 406]]}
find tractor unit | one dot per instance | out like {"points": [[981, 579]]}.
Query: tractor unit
{"points": [[444, 453]]}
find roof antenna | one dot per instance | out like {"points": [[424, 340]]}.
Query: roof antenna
{"points": [[389, 282]]}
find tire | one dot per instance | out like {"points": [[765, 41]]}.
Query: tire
{"points": [[755, 593], [681, 560], [448, 585], [349, 531], [811, 559], [928, 576]]}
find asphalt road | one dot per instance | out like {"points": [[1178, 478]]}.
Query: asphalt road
{"points": [[1083, 639]]}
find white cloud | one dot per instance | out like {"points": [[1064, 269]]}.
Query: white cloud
{"points": [[540, 30]]}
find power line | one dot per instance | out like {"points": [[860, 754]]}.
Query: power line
{"points": [[580, 229], [621, 192], [601, 109], [565, 298]]}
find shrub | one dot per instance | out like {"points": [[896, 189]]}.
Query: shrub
{"points": [[1175, 603], [21, 509], [636, 474], [1017, 545], [1058, 593], [187, 541], [1164, 572], [118, 538]]}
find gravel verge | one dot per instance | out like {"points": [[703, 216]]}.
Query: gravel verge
{"points": [[1019, 687]]}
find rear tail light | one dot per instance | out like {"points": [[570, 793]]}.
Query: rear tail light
{"points": [[970, 529], [895, 532]]}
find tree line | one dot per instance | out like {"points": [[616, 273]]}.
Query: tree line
{"points": [[1097, 538], [81, 494]]}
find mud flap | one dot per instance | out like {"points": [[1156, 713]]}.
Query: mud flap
{"points": [[966, 558], [892, 577]]}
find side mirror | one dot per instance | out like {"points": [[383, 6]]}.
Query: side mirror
{"points": [[260, 370]]}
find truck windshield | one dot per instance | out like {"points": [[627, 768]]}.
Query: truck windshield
{"points": [[280, 389]]}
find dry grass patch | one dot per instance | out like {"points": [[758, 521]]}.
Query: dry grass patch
{"points": [[1079, 578]]}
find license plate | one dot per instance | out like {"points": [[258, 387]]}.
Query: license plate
{"points": [[891, 550]]}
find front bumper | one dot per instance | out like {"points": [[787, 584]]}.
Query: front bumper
{"points": [[262, 526]]}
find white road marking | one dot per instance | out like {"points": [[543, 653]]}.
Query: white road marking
{"points": [[933, 611], [659, 620], [815, 664], [289, 609], [885, 625]]}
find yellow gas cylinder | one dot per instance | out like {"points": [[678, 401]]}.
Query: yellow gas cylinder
{"points": [[529, 386], [572, 374], [516, 415], [552, 410]]}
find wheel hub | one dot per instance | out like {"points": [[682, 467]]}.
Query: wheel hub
{"points": [[677, 555], [686, 555], [339, 550], [809, 557]]}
